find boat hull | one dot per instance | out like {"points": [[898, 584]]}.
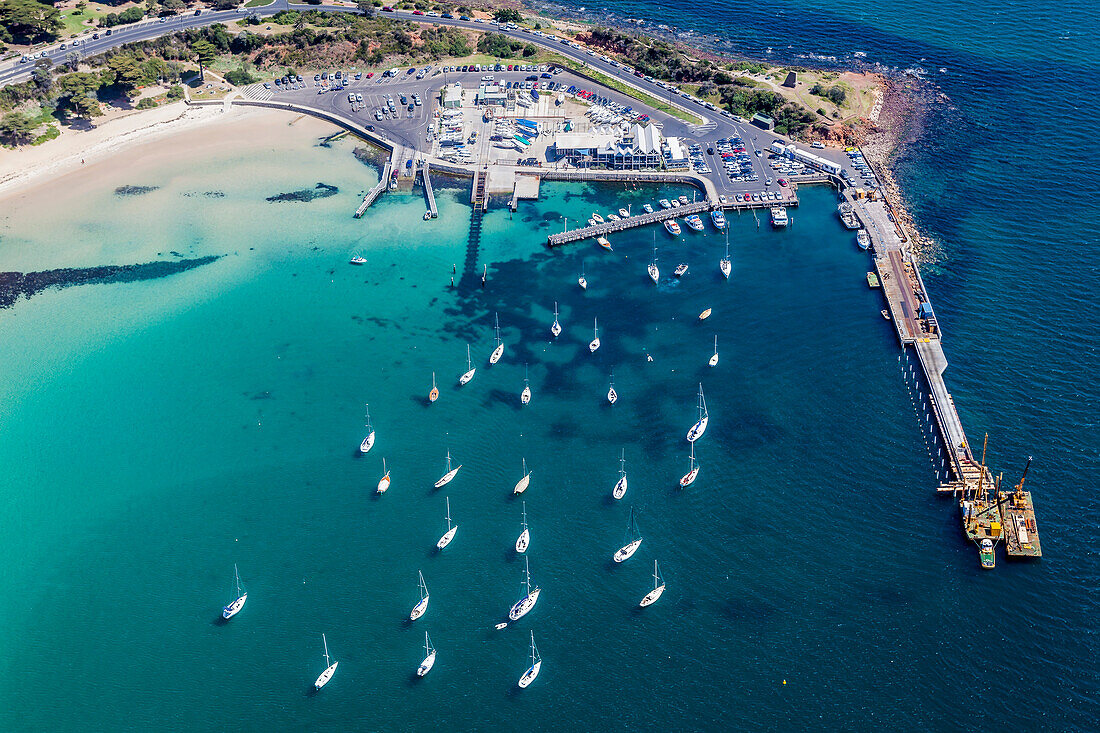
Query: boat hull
{"points": [[235, 607], [627, 551], [465, 378], [523, 541], [689, 478], [652, 596], [368, 443], [426, 665], [698, 429], [612, 396], [620, 489], [522, 484], [523, 606], [419, 609], [713, 360], [530, 675], [725, 267], [446, 539], [593, 345], [433, 395], [654, 274], [325, 677], [447, 478], [497, 353], [525, 396]]}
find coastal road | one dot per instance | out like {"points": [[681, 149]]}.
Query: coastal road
{"points": [[712, 125]]}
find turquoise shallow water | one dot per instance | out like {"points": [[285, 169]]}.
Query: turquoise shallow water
{"points": [[154, 433]]}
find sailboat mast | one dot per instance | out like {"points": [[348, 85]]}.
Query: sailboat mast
{"points": [[328, 662], [448, 514], [236, 573]]}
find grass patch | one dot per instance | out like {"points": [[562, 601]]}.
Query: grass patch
{"points": [[51, 132], [258, 3], [641, 96], [75, 23]]}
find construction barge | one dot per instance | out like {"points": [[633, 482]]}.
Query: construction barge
{"points": [[989, 513]]}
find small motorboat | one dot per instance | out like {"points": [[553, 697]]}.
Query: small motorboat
{"points": [[624, 213], [647, 208], [705, 315], [680, 269], [675, 203], [694, 222], [358, 260], [683, 200], [672, 227], [613, 217], [597, 218], [602, 241], [665, 204]]}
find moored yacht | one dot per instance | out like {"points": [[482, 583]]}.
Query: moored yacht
{"points": [[700, 425], [536, 665], [714, 359], [421, 605], [582, 281], [595, 343], [694, 222], [624, 213], [620, 486], [725, 265], [689, 478], [665, 204], [499, 350], [654, 273], [429, 657], [524, 481], [384, 482], [524, 605], [718, 219], [450, 473], [658, 588], [555, 328], [863, 239], [450, 533], [634, 541], [648, 208], [779, 217], [368, 442], [612, 395], [434, 394], [597, 218], [672, 227], [470, 370], [680, 269], [235, 607], [524, 539], [330, 668], [525, 395]]}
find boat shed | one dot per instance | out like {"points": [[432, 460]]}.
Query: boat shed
{"points": [[763, 122]]}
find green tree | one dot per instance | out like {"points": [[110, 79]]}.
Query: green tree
{"points": [[17, 128], [205, 53], [508, 15], [29, 20], [366, 7], [128, 73], [530, 50]]}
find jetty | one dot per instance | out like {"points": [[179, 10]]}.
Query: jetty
{"points": [[376, 190], [923, 363], [629, 222], [428, 192]]}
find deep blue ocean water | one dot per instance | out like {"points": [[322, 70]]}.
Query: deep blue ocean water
{"points": [[155, 433]]}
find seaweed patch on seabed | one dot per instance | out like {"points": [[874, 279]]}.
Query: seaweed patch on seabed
{"points": [[14, 285], [134, 190], [205, 194], [320, 191]]}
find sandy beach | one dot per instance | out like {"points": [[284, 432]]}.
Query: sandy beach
{"points": [[176, 131]]}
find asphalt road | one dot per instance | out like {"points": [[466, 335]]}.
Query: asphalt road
{"points": [[713, 126]]}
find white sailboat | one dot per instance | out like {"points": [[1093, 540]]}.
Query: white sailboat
{"points": [[434, 394], [450, 533], [658, 588], [689, 478], [654, 273], [612, 395], [384, 482], [724, 265], [714, 359], [524, 539], [524, 605], [627, 551], [700, 425], [422, 604], [595, 336], [555, 329], [235, 607], [368, 442], [449, 475], [524, 481], [499, 350], [330, 669], [620, 486], [429, 658], [581, 280], [536, 665], [465, 378], [525, 395]]}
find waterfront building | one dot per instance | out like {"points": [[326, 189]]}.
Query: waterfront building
{"points": [[676, 155], [633, 148]]}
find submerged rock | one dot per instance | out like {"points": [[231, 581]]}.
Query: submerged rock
{"points": [[14, 285], [134, 190], [320, 191]]}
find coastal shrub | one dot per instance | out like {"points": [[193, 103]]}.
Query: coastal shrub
{"points": [[240, 77], [130, 15], [16, 128], [175, 92], [51, 132], [146, 103]]}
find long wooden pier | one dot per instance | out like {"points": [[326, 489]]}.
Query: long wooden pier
{"points": [[629, 222]]}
